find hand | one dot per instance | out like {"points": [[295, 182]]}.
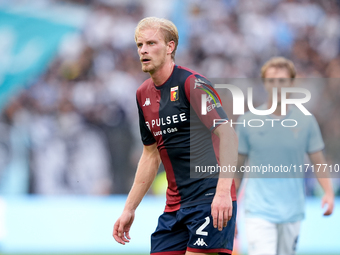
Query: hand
{"points": [[122, 227], [329, 200], [221, 210]]}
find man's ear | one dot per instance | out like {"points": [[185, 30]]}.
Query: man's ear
{"points": [[171, 47]]}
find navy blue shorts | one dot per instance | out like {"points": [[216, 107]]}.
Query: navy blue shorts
{"points": [[191, 229]]}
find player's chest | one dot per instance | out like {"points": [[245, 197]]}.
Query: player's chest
{"points": [[166, 109], [287, 138]]}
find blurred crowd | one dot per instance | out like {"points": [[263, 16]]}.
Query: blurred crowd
{"points": [[74, 130]]}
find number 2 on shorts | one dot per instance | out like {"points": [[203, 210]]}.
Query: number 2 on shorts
{"points": [[200, 231]]}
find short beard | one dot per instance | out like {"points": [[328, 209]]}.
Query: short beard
{"points": [[146, 69]]}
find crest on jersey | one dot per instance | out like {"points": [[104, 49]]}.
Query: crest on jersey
{"points": [[174, 93]]}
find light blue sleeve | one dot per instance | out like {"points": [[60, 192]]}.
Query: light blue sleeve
{"points": [[315, 141], [242, 134]]}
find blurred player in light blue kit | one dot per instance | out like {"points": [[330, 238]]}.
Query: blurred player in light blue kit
{"points": [[274, 207]]}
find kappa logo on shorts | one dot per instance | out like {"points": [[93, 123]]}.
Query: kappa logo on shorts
{"points": [[200, 242]]}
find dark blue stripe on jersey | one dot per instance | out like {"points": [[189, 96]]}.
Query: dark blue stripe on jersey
{"points": [[192, 140]]}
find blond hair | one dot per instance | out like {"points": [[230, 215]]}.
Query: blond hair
{"points": [[279, 62], [168, 29]]}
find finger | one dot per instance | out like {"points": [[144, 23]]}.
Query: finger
{"points": [[220, 220], [330, 205], [115, 229], [120, 230], [121, 236], [225, 218], [329, 210], [214, 214], [125, 239], [225, 222], [230, 213], [327, 213], [115, 233], [118, 239], [127, 234]]}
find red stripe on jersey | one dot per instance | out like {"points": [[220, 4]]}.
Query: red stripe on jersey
{"points": [[187, 87], [173, 197], [152, 112], [221, 250], [216, 94]]}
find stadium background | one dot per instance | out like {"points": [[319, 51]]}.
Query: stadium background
{"points": [[69, 138]]}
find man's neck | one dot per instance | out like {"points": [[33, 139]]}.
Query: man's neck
{"points": [[162, 75]]}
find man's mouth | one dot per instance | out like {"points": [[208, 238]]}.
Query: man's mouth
{"points": [[146, 60]]}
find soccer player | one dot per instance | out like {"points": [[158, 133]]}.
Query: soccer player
{"points": [[199, 216], [274, 207]]}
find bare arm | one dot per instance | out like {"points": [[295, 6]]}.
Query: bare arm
{"points": [[221, 207], [239, 175], [146, 172], [325, 182]]}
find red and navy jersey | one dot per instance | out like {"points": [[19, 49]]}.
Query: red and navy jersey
{"points": [[170, 115]]}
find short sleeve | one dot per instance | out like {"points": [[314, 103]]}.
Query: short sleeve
{"points": [[243, 141], [195, 87], [315, 141], [146, 135]]}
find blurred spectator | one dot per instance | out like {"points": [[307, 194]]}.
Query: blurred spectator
{"points": [[68, 157], [14, 150]]}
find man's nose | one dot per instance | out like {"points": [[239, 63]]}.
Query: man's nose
{"points": [[277, 83], [144, 49]]}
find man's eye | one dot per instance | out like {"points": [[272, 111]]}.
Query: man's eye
{"points": [[151, 43]]}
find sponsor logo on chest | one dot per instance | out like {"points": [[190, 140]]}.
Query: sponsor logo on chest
{"points": [[168, 120]]}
